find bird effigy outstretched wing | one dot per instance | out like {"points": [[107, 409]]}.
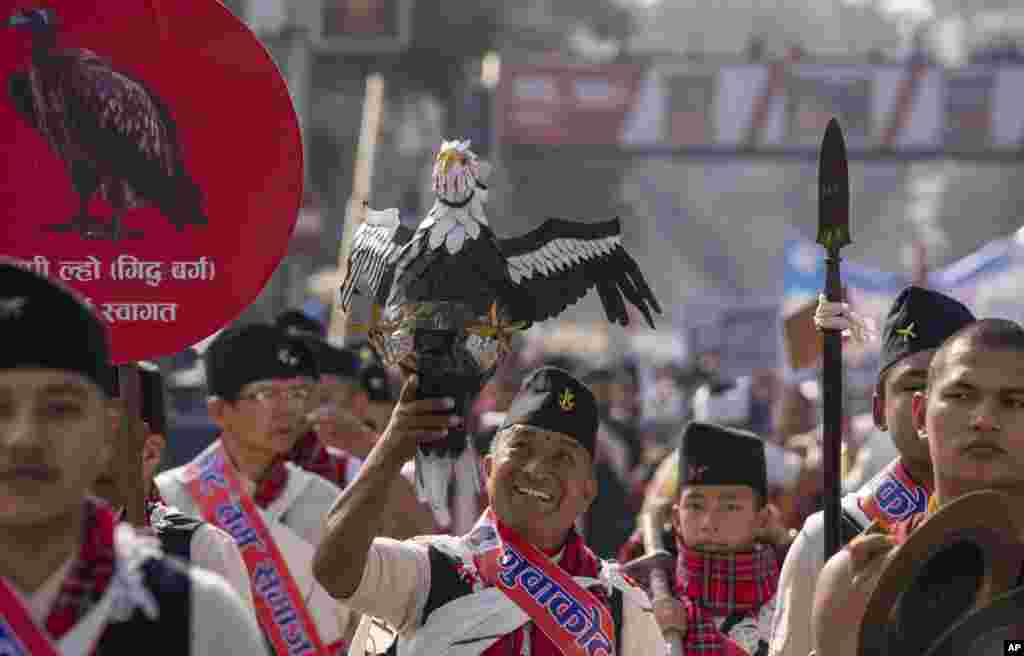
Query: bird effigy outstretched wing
{"points": [[559, 262], [370, 268]]}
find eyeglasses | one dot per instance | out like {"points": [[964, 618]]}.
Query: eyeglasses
{"points": [[291, 395]]}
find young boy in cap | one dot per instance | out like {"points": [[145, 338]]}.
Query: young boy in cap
{"points": [[73, 581], [189, 539], [725, 580], [337, 441], [261, 383], [917, 324], [522, 581]]}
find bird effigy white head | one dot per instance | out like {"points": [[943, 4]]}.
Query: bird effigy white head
{"points": [[456, 171]]}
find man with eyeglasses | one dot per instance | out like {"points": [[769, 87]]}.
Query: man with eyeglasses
{"points": [[262, 385]]}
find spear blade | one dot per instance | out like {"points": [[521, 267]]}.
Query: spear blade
{"points": [[833, 190]]}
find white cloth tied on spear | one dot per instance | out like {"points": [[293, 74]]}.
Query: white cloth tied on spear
{"points": [[839, 316], [453, 293]]}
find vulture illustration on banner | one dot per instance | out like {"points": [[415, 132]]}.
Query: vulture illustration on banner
{"points": [[114, 135], [453, 293]]}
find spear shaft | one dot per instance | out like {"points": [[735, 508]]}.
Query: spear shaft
{"points": [[833, 234]]}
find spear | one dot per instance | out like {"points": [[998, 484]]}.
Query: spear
{"points": [[833, 234]]}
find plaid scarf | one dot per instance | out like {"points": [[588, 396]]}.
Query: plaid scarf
{"points": [[578, 560], [91, 572], [722, 586], [314, 457]]}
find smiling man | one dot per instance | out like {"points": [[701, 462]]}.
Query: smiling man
{"points": [[522, 581], [72, 581]]}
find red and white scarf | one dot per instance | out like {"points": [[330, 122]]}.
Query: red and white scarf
{"points": [[566, 619], [722, 587], [895, 496], [86, 582]]}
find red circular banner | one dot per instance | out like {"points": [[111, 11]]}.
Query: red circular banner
{"points": [[152, 161]]}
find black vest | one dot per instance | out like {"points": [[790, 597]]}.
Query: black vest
{"points": [[171, 632], [446, 586]]}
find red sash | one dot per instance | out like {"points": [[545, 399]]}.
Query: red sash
{"points": [[19, 635], [896, 496], [215, 487], [567, 613]]}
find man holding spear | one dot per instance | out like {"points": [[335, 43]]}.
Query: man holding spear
{"points": [[918, 322]]}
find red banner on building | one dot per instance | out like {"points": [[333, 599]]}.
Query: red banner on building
{"points": [[562, 104]]}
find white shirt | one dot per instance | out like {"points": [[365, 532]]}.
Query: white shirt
{"points": [[791, 626], [396, 583], [221, 624], [215, 550]]}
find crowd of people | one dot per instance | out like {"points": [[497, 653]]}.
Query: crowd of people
{"points": [[299, 530]]}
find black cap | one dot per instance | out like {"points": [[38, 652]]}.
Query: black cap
{"points": [[299, 323], [553, 400], [920, 319], [46, 325], [254, 352], [373, 376], [334, 361], [710, 454]]}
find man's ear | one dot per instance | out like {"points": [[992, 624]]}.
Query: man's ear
{"points": [[589, 491], [764, 516], [488, 465], [878, 411], [360, 402], [677, 528], [114, 411], [153, 447], [919, 411], [216, 407]]}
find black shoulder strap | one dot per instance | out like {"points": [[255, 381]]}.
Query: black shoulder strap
{"points": [[445, 583], [175, 531], [849, 526], [171, 587], [445, 586], [615, 601]]}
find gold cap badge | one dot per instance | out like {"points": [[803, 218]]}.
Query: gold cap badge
{"points": [[907, 333], [567, 400]]}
